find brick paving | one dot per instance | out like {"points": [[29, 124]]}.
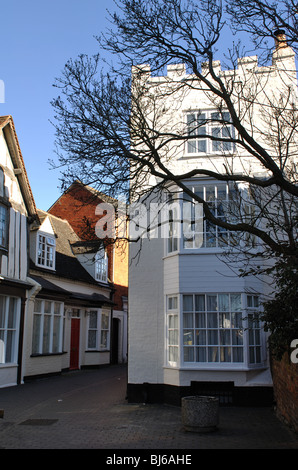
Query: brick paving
{"points": [[88, 410]]}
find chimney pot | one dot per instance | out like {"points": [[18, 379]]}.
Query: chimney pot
{"points": [[280, 39]]}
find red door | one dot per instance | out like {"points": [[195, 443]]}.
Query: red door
{"points": [[74, 343]]}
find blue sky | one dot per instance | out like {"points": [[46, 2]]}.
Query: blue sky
{"points": [[38, 37]]}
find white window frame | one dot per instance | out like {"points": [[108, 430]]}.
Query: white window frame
{"points": [[45, 314], [236, 335], [210, 127], [45, 251], [93, 328], [172, 330], [105, 331], [256, 349], [9, 329], [101, 266], [101, 329]]}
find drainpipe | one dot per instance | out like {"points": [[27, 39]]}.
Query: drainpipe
{"points": [[23, 330]]}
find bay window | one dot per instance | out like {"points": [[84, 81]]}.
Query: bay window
{"points": [[215, 329]]}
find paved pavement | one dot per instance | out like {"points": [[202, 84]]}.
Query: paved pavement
{"points": [[88, 410]]}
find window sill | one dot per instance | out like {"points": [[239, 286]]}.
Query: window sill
{"points": [[97, 351], [49, 354], [218, 367], [8, 365], [203, 251], [190, 156]]}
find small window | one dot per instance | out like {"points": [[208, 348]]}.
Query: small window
{"points": [[92, 329], [3, 226], [46, 251], [254, 329], [98, 334], [173, 330], [101, 266]]}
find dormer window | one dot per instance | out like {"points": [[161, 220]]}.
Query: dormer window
{"points": [[46, 251], [101, 266]]}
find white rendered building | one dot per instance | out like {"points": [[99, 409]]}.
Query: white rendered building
{"points": [[191, 325]]}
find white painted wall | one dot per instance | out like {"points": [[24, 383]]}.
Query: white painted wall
{"points": [[152, 275]]}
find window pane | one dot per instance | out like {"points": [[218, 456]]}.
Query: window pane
{"points": [[212, 336], [173, 354], [12, 313], [216, 145], [200, 320], [188, 354], [93, 320], [235, 302], [213, 354], [211, 303], [188, 320], [105, 321], [2, 312], [225, 355], [188, 337], [201, 355], [46, 334], [9, 347], [212, 321], [201, 337], [47, 307], [237, 337], [57, 308], [173, 321], [173, 303], [3, 226], [200, 303], [237, 354], [2, 348], [37, 306], [188, 303], [56, 335], [223, 303], [225, 337], [104, 340], [92, 339], [36, 334]]}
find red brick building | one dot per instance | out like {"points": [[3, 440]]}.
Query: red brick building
{"points": [[78, 206]]}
